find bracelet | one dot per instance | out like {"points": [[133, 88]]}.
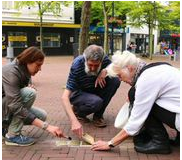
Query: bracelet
{"points": [[45, 125], [110, 144]]}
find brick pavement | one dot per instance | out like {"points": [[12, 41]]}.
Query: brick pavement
{"points": [[50, 83]]}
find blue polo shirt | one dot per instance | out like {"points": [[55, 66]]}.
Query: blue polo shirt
{"points": [[78, 78]]}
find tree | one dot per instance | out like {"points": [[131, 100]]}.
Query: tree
{"points": [[174, 14], [106, 10], [43, 7], [100, 13], [149, 13], [85, 26]]}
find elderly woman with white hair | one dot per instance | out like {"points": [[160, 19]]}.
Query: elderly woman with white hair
{"points": [[155, 100]]}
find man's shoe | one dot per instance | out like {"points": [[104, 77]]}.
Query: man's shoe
{"points": [[19, 140], [99, 122], [80, 118], [83, 119], [152, 147]]}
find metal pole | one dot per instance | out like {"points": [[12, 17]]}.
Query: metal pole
{"points": [[112, 31], [10, 54]]}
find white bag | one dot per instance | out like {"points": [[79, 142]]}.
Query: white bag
{"points": [[122, 116]]}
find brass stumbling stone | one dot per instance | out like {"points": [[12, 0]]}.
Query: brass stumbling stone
{"points": [[87, 141]]}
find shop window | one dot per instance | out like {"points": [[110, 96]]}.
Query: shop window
{"points": [[17, 39], [7, 5], [95, 39], [3, 42], [50, 39]]}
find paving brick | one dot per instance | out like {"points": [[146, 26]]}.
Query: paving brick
{"points": [[152, 157], [80, 154], [97, 158], [88, 156], [28, 155], [106, 154], [43, 158], [50, 155], [115, 158], [61, 158], [36, 156], [72, 152]]}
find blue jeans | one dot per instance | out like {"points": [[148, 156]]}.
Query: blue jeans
{"points": [[86, 102], [28, 97]]}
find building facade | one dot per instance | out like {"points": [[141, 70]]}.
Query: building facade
{"points": [[20, 29]]}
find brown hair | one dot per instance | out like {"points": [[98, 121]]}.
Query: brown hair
{"points": [[30, 55]]}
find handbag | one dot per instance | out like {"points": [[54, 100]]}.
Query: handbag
{"points": [[123, 115]]}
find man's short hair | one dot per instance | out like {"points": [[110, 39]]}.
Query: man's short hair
{"points": [[94, 52]]}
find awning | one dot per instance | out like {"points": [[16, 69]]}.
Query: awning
{"points": [[96, 29]]}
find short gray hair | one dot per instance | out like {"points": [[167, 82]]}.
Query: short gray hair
{"points": [[94, 52], [121, 60]]}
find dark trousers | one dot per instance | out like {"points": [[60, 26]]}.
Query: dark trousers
{"points": [[154, 124], [86, 102], [162, 116]]}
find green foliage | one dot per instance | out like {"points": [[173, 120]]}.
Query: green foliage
{"points": [[97, 16], [156, 14], [44, 6], [174, 16]]}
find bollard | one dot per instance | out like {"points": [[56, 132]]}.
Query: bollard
{"points": [[10, 54], [175, 55]]}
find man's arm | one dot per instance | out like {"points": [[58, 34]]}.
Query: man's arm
{"points": [[76, 127], [103, 74]]}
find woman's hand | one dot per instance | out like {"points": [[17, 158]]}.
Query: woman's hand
{"points": [[56, 131], [32, 86], [100, 146]]}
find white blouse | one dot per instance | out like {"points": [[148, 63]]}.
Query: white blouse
{"points": [[159, 84]]}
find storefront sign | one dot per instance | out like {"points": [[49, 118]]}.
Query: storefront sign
{"points": [[37, 24], [17, 38]]}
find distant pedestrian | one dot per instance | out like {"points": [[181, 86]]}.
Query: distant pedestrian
{"points": [[88, 90], [129, 46], [18, 97]]}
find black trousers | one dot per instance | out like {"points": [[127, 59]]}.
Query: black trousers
{"points": [[162, 115]]}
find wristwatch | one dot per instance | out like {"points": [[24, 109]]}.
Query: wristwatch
{"points": [[45, 125], [110, 144]]}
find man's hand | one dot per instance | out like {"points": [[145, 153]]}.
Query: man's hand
{"points": [[56, 131], [101, 79], [77, 128], [100, 146]]}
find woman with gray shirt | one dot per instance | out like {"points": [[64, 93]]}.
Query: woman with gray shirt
{"points": [[18, 97]]}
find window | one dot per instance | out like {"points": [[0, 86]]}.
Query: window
{"points": [[95, 39], [3, 41], [17, 39], [7, 5], [51, 40]]}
